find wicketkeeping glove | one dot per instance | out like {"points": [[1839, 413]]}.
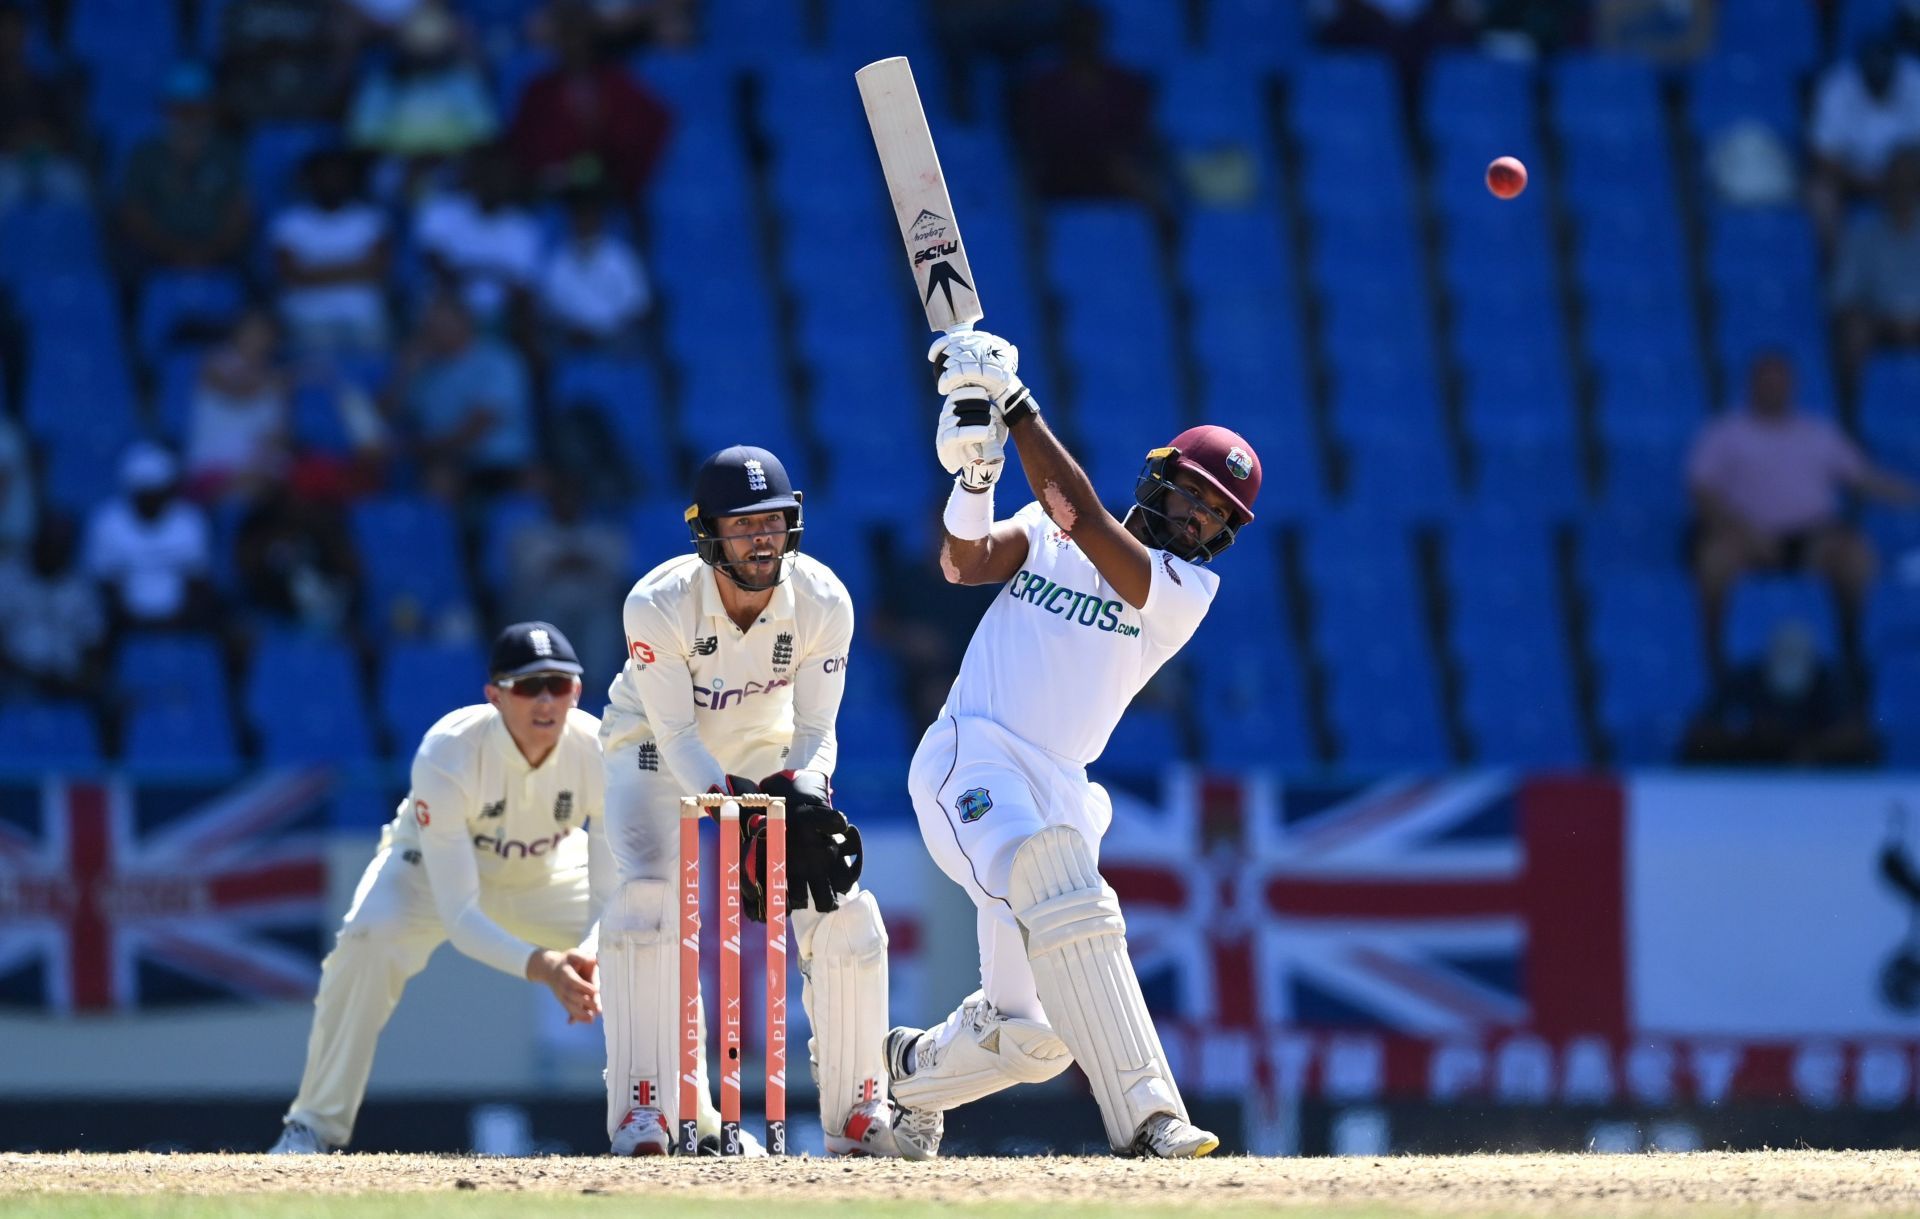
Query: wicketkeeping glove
{"points": [[824, 856]]}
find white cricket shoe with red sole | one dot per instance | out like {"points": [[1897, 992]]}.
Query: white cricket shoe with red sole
{"points": [[643, 1132]]}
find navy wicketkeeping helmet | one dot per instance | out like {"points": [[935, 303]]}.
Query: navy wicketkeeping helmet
{"points": [[741, 481]]}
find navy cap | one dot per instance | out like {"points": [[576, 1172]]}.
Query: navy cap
{"points": [[531, 647], [740, 480]]}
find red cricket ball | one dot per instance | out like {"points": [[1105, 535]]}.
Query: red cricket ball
{"points": [[1507, 177]]}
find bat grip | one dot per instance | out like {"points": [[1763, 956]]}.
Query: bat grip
{"points": [[960, 328]]}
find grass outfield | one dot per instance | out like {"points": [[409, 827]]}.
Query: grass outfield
{"points": [[1696, 1186]]}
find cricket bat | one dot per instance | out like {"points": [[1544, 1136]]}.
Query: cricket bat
{"points": [[912, 168]]}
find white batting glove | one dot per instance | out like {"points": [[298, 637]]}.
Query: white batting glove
{"points": [[970, 440], [978, 364]]}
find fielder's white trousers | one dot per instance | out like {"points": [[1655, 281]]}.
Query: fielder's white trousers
{"points": [[979, 792], [389, 932]]}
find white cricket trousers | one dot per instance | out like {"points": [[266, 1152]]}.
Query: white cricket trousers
{"points": [[979, 791], [389, 932]]}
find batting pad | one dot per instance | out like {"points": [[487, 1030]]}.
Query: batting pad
{"points": [[977, 1052], [1077, 945], [844, 976], [639, 1000]]}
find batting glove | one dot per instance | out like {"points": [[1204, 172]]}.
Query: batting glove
{"points": [[973, 364]]}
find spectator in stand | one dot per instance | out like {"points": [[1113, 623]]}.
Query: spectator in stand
{"points": [[150, 548], [1528, 28], [285, 60], [1669, 33], [237, 427], [1086, 124], [295, 561], [1876, 284], [1791, 706], [53, 646], [18, 508], [1006, 33], [589, 106], [39, 143], [184, 201], [332, 251], [481, 241], [593, 289], [466, 398], [575, 570], [1766, 481], [431, 99], [1864, 109]]}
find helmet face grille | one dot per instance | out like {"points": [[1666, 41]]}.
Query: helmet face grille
{"points": [[1150, 491], [709, 546]]}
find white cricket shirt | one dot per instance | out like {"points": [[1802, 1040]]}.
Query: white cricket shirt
{"points": [[709, 694], [478, 814], [1059, 654]]}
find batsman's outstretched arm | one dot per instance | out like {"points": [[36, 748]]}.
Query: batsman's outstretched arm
{"points": [[1067, 494]]}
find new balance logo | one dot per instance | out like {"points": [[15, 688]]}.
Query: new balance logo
{"points": [[706, 646]]}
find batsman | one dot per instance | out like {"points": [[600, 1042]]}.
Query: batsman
{"points": [[736, 663], [1092, 607]]}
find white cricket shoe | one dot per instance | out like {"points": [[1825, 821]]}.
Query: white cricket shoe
{"points": [[884, 1129], [1167, 1136], [298, 1139], [916, 1131], [643, 1132]]}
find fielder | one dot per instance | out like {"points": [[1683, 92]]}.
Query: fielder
{"points": [[499, 846], [1093, 607], [736, 662]]}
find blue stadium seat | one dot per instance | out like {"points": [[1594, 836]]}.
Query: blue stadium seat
{"points": [[1137, 753], [81, 461], [1337, 90], [304, 701], [1782, 34], [1896, 708], [1753, 245], [1517, 703], [275, 152], [1891, 623], [150, 665], [1266, 33], [1233, 252], [1757, 607], [1144, 35], [1540, 469], [410, 557], [1385, 709], [1093, 247], [1205, 101], [1253, 695], [861, 31], [1889, 422], [1628, 540], [1644, 635], [48, 736], [48, 239], [625, 392], [722, 405], [203, 301], [1731, 89], [420, 682], [506, 515], [169, 733], [1412, 479], [1465, 85], [1604, 96], [756, 32]]}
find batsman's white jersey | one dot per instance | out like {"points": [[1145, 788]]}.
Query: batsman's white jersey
{"points": [[1046, 676], [699, 699], [486, 850]]}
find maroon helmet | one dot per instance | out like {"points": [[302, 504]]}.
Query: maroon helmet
{"points": [[1222, 457]]}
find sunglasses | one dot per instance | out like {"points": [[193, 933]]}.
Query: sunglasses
{"points": [[533, 685]]}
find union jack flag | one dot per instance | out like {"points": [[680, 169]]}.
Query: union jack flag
{"points": [[1443, 908], [113, 896]]}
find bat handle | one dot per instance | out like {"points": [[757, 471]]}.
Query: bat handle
{"points": [[960, 328]]}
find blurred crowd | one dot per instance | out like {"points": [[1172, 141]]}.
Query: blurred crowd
{"points": [[386, 314]]}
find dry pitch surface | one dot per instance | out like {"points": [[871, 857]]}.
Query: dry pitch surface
{"points": [[77, 1186]]}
